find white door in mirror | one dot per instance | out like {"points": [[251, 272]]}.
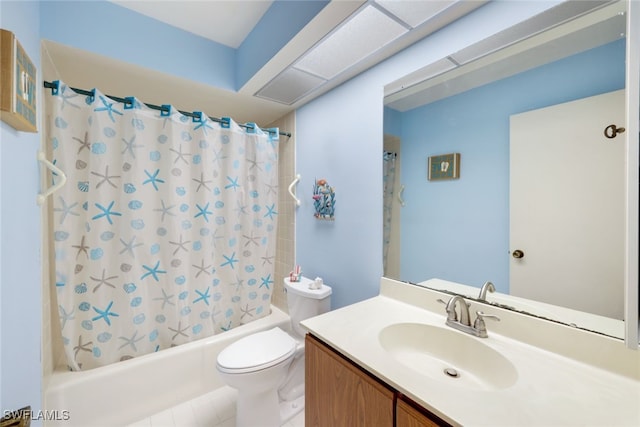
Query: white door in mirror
{"points": [[567, 205]]}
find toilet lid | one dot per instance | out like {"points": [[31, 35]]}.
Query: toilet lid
{"points": [[257, 351]]}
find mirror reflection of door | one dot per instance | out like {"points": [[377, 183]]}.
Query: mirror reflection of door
{"points": [[567, 205], [392, 206]]}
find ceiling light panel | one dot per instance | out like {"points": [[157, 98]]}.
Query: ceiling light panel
{"points": [[290, 86], [415, 13], [351, 43]]}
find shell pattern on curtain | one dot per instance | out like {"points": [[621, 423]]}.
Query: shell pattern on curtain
{"points": [[388, 177], [165, 230]]}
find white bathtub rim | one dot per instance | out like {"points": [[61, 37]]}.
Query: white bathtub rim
{"points": [[65, 384], [62, 372]]}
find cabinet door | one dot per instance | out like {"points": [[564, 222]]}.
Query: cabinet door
{"points": [[408, 416], [339, 394]]}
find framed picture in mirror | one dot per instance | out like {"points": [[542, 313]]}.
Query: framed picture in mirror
{"points": [[444, 166]]}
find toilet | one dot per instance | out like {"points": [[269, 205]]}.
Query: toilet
{"points": [[267, 368]]}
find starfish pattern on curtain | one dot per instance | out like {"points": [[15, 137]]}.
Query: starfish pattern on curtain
{"points": [[165, 230]]}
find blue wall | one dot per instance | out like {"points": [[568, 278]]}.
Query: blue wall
{"points": [[346, 151], [392, 122], [114, 31], [20, 260], [334, 132], [280, 23], [459, 230], [339, 138], [107, 29]]}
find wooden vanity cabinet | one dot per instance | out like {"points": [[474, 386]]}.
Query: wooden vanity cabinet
{"points": [[337, 393], [408, 415], [340, 393]]}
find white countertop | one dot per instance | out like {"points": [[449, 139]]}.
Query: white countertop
{"points": [[550, 390]]}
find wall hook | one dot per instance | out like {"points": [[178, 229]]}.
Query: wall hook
{"points": [[612, 131], [42, 197], [293, 183], [400, 199]]}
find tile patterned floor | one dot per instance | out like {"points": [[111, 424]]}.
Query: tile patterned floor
{"points": [[215, 409]]}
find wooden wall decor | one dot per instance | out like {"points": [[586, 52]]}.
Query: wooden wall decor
{"points": [[18, 78]]}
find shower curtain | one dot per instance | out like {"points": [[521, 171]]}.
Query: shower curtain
{"points": [[388, 177], [165, 230]]}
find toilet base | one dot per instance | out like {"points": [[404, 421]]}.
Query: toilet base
{"points": [[289, 409], [264, 410], [258, 409]]}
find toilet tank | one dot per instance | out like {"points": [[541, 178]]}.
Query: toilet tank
{"points": [[304, 303]]}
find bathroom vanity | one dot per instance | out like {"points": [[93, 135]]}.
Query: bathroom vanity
{"points": [[392, 361], [334, 383]]}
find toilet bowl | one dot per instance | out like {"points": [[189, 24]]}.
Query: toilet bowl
{"points": [[256, 366], [267, 368]]}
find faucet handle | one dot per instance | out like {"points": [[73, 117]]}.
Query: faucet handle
{"points": [[479, 324]]}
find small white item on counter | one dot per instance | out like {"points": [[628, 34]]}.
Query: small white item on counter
{"points": [[316, 284]]}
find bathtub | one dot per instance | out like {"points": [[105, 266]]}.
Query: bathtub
{"points": [[128, 391]]}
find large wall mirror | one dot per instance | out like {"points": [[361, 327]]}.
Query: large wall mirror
{"points": [[526, 184]]}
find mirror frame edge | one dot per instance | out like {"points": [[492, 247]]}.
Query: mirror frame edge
{"points": [[632, 333]]}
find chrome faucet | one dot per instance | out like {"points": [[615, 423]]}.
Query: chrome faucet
{"points": [[488, 286], [452, 315], [479, 328]]}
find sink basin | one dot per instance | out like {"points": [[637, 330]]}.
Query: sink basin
{"points": [[447, 355]]}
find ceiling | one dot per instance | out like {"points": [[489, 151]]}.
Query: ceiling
{"points": [[558, 33], [344, 39], [224, 22]]}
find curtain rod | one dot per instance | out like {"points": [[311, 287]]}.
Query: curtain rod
{"points": [[50, 85]]}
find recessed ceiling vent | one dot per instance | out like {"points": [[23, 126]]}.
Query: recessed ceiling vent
{"points": [[351, 43], [290, 86], [415, 13], [363, 39], [339, 50]]}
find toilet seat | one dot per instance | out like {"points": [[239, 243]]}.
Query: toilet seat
{"points": [[256, 352]]}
